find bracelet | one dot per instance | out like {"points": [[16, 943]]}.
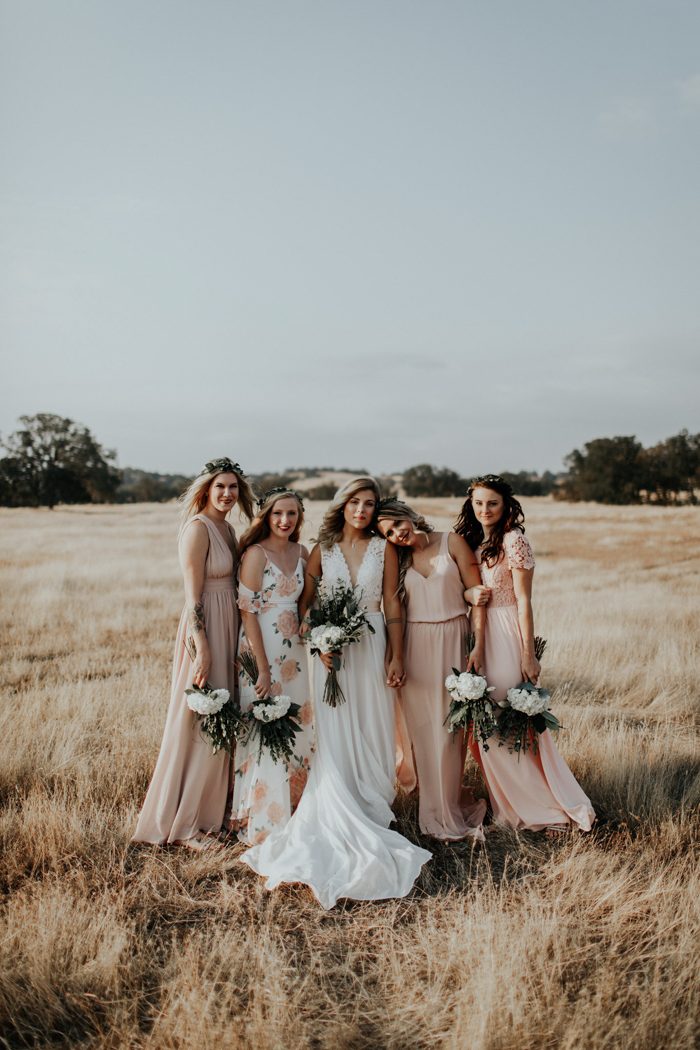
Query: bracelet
{"points": [[394, 619]]}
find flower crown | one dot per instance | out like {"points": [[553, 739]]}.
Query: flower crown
{"points": [[489, 479], [221, 466], [278, 490]]}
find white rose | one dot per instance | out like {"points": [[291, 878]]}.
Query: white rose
{"points": [[471, 686], [529, 701], [207, 704]]}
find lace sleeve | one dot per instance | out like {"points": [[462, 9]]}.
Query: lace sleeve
{"points": [[519, 551]]}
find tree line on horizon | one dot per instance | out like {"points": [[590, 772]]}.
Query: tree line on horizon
{"points": [[52, 460]]}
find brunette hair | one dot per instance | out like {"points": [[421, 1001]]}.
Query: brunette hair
{"points": [[259, 528], [512, 518], [397, 510], [194, 498], [333, 520]]}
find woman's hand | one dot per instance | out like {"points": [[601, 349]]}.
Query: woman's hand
{"points": [[202, 664], [327, 660], [395, 674], [304, 628], [476, 660], [530, 667], [263, 684], [478, 595]]}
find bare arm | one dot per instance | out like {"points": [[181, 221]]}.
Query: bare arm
{"points": [[312, 575], [522, 584], [464, 558], [194, 547], [251, 575], [393, 616]]}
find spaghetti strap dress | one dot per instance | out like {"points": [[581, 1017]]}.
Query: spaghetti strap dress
{"points": [[529, 791], [188, 792], [436, 642], [265, 792]]}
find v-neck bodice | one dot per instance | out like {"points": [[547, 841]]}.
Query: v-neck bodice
{"points": [[439, 596], [370, 575], [221, 561]]}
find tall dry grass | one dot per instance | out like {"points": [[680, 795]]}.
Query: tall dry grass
{"points": [[587, 942]]}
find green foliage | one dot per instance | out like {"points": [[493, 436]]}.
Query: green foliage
{"points": [[619, 470], [141, 486], [323, 492], [529, 483], [426, 480], [54, 460], [264, 482]]}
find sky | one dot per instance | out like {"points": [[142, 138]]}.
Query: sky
{"points": [[349, 233]]}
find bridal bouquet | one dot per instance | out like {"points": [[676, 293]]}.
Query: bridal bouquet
{"points": [[471, 706], [526, 713], [336, 620], [218, 714], [273, 719]]}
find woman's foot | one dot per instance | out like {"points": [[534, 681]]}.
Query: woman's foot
{"points": [[557, 831], [200, 843]]}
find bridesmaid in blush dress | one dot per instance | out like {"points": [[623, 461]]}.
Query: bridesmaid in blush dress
{"points": [[186, 801], [434, 570], [532, 790]]}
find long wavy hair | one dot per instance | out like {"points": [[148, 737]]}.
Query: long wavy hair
{"points": [[333, 520], [259, 528], [194, 498], [397, 510], [513, 517]]}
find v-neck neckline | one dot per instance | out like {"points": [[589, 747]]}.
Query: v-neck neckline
{"points": [[434, 568], [362, 561], [287, 575]]}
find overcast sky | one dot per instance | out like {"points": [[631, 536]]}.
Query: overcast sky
{"points": [[351, 233]]}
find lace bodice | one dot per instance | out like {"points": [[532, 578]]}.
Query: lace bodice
{"points": [[370, 576], [517, 554]]}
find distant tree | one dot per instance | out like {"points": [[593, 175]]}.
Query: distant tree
{"points": [[387, 485], [673, 469], [54, 460], [325, 491], [263, 482], [426, 480], [529, 482], [609, 470], [141, 486]]}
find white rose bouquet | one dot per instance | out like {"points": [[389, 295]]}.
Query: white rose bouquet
{"points": [[272, 719], [471, 708], [526, 713], [336, 620], [219, 717]]}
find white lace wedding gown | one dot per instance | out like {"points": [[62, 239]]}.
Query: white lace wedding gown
{"points": [[338, 841]]}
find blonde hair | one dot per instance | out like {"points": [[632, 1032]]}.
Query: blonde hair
{"points": [[194, 498], [397, 510], [333, 520], [259, 528]]}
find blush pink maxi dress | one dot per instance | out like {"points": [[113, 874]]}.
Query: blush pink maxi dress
{"points": [[532, 791], [188, 792], [436, 641]]}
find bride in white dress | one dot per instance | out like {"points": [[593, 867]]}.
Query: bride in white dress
{"points": [[338, 841]]}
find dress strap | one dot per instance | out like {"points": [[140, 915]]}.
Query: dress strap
{"points": [[445, 544]]}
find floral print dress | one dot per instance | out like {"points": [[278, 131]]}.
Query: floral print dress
{"points": [[266, 793]]}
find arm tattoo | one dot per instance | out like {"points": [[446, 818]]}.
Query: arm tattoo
{"points": [[197, 618]]}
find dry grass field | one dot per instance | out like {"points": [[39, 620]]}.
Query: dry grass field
{"points": [[586, 942]]}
